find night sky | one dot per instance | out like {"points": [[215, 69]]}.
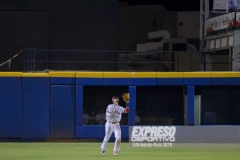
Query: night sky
{"points": [[171, 5]]}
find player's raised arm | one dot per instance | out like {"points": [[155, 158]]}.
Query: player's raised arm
{"points": [[127, 108], [126, 98]]}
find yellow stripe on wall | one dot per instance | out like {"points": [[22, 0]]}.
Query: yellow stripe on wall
{"points": [[196, 74], [63, 74], [115, 74], [125, 74], [10, 74], [223, 74], [169, 74], [35, 75], [89, 74], [143, 74]]}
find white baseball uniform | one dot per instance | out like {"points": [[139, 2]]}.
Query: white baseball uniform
{"points": [[112, 125]]}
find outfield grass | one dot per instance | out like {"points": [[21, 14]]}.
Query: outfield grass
{"points": [[91, 151]]}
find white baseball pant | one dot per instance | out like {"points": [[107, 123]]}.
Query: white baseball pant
{"points": [[109, 129]]}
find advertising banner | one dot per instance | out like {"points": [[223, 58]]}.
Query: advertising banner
{"points": [[221, 22], [224, 4], [212, 24], [238, 19], [169, 136], [227, 20]]}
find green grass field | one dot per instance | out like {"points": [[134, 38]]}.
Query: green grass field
{"points": [[91, 151]]}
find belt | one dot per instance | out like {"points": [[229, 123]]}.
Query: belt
{"points": [[113, 122]]}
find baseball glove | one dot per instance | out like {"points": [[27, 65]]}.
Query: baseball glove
{"points": [[126, 97]]}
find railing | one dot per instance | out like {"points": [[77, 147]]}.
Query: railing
{"points": [[78, 60]]}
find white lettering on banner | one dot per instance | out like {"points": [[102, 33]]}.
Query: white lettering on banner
{"points": [[159, 131], [153, 139], [153, 133], [214, 24], [225, 21], [152, 144]]}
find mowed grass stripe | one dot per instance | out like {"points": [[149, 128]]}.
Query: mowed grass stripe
{"points": [[91, 151]]}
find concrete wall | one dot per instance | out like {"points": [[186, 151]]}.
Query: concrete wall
{"points": [[136, 21], [188, 24]]}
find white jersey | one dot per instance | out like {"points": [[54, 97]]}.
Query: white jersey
{"points": [[117, 110]]}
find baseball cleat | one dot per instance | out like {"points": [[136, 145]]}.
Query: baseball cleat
{"points": [[103, 152], [115, 153]]}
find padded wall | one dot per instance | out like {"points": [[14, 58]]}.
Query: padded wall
{"points": [[190, 105], [24, 111], [35, 105], [10, 106], [170, 78], [132, 105], [89, 131], [79, 105], [62, 111], [62, 78]]}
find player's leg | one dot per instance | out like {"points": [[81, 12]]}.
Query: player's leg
{"points": [[117, 144], [108, 133]]}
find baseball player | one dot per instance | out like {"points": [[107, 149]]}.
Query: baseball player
{"points": [[113, 117]]}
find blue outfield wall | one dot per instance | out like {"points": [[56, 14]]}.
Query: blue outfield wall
{"points": [[35, 105], [62, 78], [50, 105], [89, 131], [132, 105], [62, 111], [62, 105], [190, 102], [10, 105], [79, 105]]}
